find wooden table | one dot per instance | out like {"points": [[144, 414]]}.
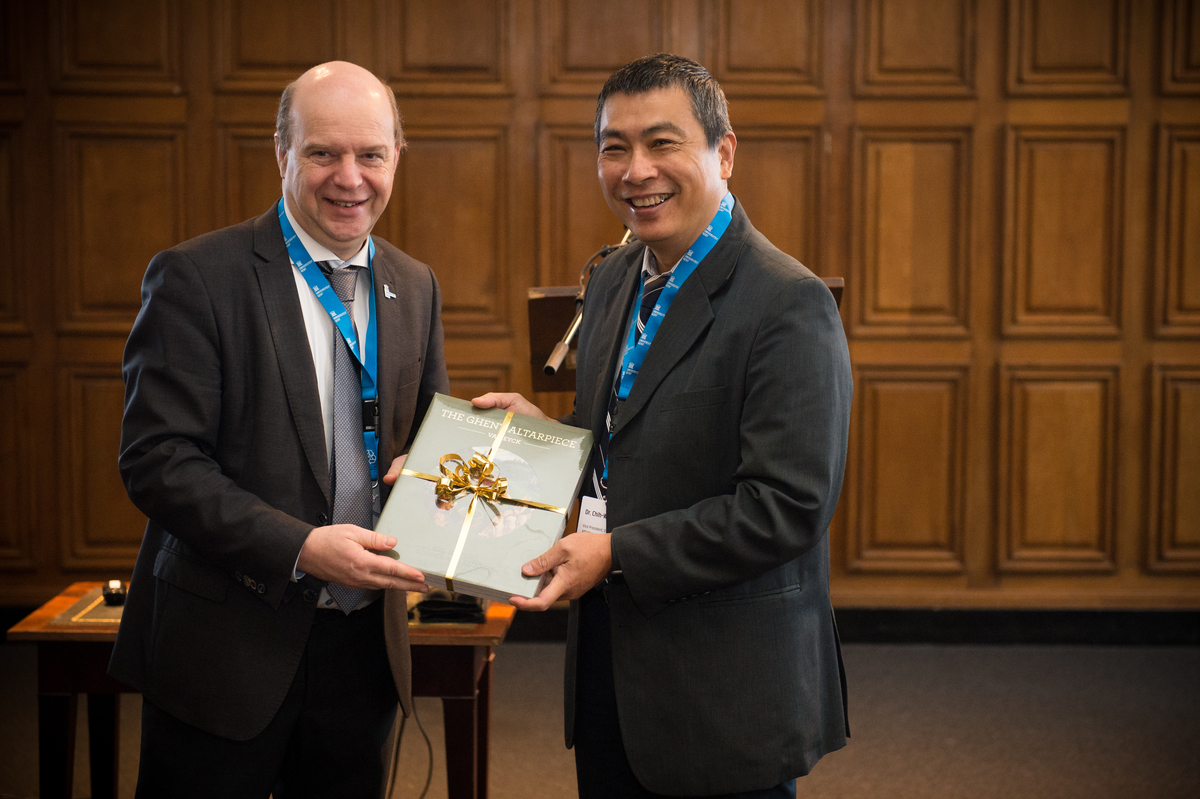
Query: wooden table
{"points": [[450, 662]]}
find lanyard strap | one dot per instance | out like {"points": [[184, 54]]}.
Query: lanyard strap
{"points": [[345, 325], [636, 348]]}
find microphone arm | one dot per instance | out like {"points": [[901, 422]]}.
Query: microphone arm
{"points": [[559, 353]]}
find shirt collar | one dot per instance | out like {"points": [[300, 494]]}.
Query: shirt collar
{"points": [[650, 266], [320, 253]]}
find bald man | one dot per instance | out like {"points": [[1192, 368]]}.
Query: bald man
{"points": [[264, 626]]}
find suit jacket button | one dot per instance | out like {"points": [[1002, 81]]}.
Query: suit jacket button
{"points": [[246, 581], [262, 588], [237, 576], [309, 595], [322, 519]]}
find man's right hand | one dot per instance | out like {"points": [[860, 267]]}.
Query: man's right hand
{"points": [[342, 554]]}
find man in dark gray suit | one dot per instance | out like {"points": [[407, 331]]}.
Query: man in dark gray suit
{"points": [[254, 626], [702, 656]]}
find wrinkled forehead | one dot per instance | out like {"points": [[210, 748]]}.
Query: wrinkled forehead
{"points": [[631, 115], [338, 113]]}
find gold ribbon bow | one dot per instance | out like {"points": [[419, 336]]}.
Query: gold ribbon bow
{"points": [[475, 477]]}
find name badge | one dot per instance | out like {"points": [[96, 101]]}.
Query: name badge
{"points": [[593, 515]]}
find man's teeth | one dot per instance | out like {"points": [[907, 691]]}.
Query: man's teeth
{"points": [[344, 204], [646, 202]]}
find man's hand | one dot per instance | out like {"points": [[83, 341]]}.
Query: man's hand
{"points": [[393, 474], [510, 402], [577, 563], [341, 553]]}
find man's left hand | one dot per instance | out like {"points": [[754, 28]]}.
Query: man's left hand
{"points": [[576, 563]]}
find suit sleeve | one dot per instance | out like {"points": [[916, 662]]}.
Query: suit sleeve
{"points": [[792, 430], [174, 373]]}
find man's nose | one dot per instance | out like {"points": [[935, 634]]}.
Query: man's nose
{"points": [[641, 166], [347, 173]]}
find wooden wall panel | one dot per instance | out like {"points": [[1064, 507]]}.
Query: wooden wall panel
{"points": [[263, 44], [1068, 47], [910, 428], [1175, 470], [577, 219], [121, 201], [98, 527], [915, 48], [11, 310], [251, 173], [16, 552], [775, 177], [448, 210], [453, 46], [579, 49], [11, 25], [467, 381], [1008, 187], [131, 46], [1181, 47], [773, 45], [911, 231], [1178, 261], [1059, 468], [1063, 234]]}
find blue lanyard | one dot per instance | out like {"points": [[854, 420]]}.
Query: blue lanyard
{"points": [[635, 348], [345, 325]]}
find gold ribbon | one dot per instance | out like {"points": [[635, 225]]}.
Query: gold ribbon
{"points": [[474, 477]]}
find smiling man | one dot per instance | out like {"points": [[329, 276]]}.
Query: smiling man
{"points": [[273, 366], [702, 655]]}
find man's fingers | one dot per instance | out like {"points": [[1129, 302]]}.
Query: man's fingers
{"points": [[393, 473], [509, 402], [550, 593], [376, 541], [544, 562], [406, 572]]}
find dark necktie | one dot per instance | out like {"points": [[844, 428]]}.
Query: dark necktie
{"points": [[651, 288], [349, 475]]}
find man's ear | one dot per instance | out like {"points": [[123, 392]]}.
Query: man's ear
{"points": [[281, 156], [725, 150]]}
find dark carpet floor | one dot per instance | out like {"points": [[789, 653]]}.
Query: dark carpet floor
{"points": [[985, 722]]}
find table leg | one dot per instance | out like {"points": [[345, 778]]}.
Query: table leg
{"points": [[56, 745], [104, 743], [483, 720], [462, 776]]}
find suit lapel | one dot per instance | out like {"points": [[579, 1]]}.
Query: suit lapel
{"points": [[615, 305], [289, 335], [388, 363], [688, 317]]}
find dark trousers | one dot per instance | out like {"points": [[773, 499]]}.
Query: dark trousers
{"points": [[601, 766], [328, 739]]}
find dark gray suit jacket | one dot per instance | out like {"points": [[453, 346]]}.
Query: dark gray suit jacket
{"points": [[724, 470], [223, 449]]}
